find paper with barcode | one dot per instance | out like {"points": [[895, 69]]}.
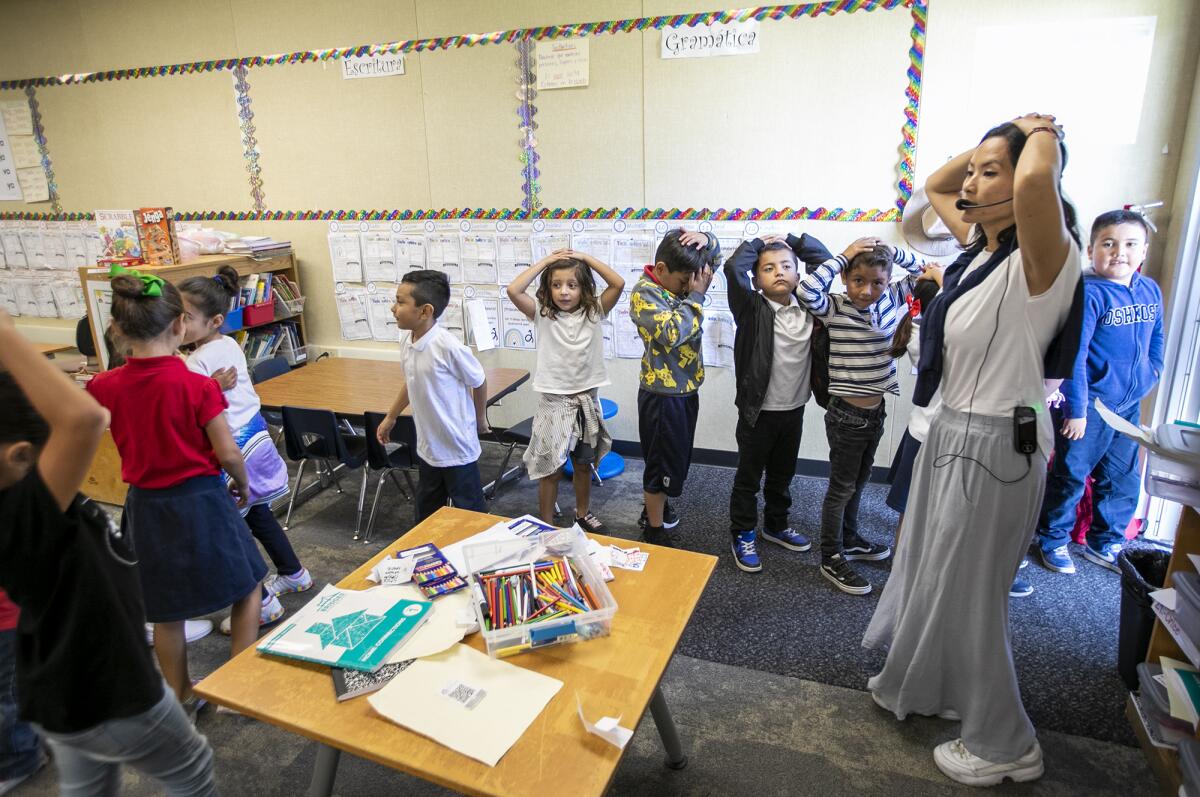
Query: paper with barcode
{"points": [[434, 698]]}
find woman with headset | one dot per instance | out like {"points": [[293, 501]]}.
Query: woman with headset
{"points": [[1008, 315]]}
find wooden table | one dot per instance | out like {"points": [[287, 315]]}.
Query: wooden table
{"points": [[350, 386], [50, 349], [614, 676]]}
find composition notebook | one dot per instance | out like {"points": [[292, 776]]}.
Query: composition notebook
{"points": [[351, 629]]}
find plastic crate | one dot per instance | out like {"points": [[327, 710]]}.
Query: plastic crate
{"points": [[287, 308], [294, 354], [257, 314], [233, 321], [566, 543]]}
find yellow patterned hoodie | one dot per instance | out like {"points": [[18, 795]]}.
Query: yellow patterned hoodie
{"points": [[670, 328]]}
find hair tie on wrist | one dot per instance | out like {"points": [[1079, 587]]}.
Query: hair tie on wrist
{"points": [[1050, 130]]}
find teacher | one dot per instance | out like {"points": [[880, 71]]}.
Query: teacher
{"points": [[1007, 317]]}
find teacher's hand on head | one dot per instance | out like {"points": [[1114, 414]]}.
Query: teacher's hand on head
{"points": [[1032, 121], [932, 273]]}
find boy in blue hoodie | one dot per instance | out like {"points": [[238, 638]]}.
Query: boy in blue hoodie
{"points": [[1120, 359]]}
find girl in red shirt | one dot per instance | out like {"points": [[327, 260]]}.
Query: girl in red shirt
{"points": [[196, 554]]}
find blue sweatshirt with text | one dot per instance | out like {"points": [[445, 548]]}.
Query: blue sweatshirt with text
{"points": [[1121, 347]]}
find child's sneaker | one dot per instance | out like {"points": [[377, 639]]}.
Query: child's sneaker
{"points": [[1106, 557], [958, 763], [870, 551], [272, 610], [843, 576], [1057, 560], [10, 784], [1020, 588], [745, 552], [192, 630], [657, 536], [279, 584], [670, 519], [591, 524], [788, 538]]}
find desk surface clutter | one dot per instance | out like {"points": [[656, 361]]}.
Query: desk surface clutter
{"points": [[613, 676]]}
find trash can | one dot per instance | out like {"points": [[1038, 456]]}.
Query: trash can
{"points": [[1142, 571]]}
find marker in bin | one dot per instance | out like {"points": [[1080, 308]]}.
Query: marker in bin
{"points": [[533, 593]]}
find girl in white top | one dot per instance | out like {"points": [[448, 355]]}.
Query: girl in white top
{"points": [[570, 369], [206, 300], [974, 500]]}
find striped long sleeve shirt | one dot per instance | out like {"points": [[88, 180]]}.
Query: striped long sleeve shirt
{"points": [[859, 363]]}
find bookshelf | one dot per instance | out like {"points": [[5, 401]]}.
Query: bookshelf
{"points": [[1167, 639], [95, 280]]}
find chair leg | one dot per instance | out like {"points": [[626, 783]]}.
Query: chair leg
{"points": [[362, 499], [295, 491], [409, 482], [490, 490], [596, 474], [391, 472], [375, 505], [333, 474]]}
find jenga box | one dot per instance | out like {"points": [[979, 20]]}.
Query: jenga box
{"points": [[156, 231]]}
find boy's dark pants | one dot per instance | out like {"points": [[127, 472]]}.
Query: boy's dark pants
{"points": [[853, 434], [771, 444], [1111, 459], [20, 746], [460, 484]]}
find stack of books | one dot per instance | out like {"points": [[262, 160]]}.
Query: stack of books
{"points": [[259, 247]]}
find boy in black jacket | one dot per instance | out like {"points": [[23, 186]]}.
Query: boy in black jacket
{"points": [[771, 356]]}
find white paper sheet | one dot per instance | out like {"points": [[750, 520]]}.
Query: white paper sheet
{"points": [[25, 151], [432, 697], [14, 249], [18, 119], [517, 329], [546, 242], [66, 298], [562, 63], [482, 326], [378, 256], [440, 631], [717, 341], [31, 240], [514, 254], [442, 253], [33, 184], [1167, 597], [410, 252], [345, 253], [380, 318], [352, 314], [478, 257], [10, 187], [628, 341], [607, 728]]}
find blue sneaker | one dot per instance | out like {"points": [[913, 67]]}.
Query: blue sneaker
{"points": [[745, 552], [788, 538], [1105, 557], [1057, 560], [1020, 588]]}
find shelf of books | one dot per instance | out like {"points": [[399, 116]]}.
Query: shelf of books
{"points": [[267, 316], [1168, 641]]}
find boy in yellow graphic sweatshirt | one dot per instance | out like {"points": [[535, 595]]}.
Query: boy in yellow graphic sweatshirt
{"points": [[666, 306]]}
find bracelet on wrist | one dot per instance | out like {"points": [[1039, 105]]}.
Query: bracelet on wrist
{"points": [[1044, 129]]}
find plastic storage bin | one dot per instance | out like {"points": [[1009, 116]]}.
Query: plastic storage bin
{"points": [[255, 314], [286, 309], [565, 543], [1187, 607], [233, 321], [1154, 698], [1189, 766]]}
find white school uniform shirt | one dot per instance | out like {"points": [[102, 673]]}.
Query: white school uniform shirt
{"points": [[1011, 375], [788, 387], [224, 352], [440, 373], [570, 353]]}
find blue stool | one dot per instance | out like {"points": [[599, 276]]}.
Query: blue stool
{"points": [[612, 464]]}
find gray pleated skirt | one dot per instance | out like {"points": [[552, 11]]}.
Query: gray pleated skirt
{"points": [[943, 615]]}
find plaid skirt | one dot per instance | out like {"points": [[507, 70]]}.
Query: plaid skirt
{"points": [[558, 424]]}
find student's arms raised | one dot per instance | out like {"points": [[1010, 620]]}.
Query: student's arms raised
{"points": [[616, 283], [76, 421], [814, 288], [943, 187], [809, 251], [230, 457], [516, 289], [738, 267], [1041, 228]]}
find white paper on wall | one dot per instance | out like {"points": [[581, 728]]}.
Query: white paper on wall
{"points": [[478, 257], [546, 242], [442, 253], [482, 308], [717, 340], [352, 312], [410, 252], [67, 298], [345, 252], [517, 330], [628, 342], [452, 317], [378, 256], [514, 254], [379, 313], [31, 241]]}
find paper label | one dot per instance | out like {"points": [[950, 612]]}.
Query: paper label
{"points": [[465, 695]]}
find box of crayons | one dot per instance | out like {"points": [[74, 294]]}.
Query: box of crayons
{"points": [[554, 595]]}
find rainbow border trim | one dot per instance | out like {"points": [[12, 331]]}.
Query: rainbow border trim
{"points": [[905, 168]]}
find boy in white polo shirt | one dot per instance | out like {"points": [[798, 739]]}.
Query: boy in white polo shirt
{"points": [[447, 389]]}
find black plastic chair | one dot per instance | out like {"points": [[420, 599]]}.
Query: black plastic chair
{"points": [[316, 435], [402, 458], [269, 369]]}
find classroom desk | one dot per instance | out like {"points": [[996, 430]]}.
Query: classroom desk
{"points": [[350, 386], [614, 676], [50, 349]]}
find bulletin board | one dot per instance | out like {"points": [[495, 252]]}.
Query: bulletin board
{"points": [[465, 135]]}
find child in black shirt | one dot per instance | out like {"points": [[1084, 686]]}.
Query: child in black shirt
{"points": [[84, 674]]}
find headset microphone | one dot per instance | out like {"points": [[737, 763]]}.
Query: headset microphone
{"points": [[963, 204]]}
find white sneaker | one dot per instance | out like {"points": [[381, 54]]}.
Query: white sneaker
{"points": [[278, 584], [192, 630], [272, 610], [959, 764], [946, 714]]}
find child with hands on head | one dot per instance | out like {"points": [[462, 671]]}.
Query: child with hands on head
{"points": [[169, 425], [570, 370]]}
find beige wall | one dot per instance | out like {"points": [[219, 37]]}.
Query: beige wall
{"points": [[814, 119]]}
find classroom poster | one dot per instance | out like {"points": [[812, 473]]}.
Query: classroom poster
{"points": [[345, 252], [443, 253], [717, 339], [562, 63], [379, 308], [353, 312], [478, 257], [482, 307], [378, 254], [10, 187], [514, 254], [516, 329]]}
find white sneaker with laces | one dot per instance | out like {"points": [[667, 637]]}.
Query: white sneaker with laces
{"points": [[278, 584], [960, 764], [192, 630]]}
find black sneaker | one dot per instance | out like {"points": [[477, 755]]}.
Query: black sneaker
{"points": [[591, 524], [657, 536], [843, 576], [861, 549], [670, 519]]}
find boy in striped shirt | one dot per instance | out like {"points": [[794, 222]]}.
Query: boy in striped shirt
{"points": [[861, 323]]}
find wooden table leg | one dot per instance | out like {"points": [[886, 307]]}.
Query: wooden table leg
{"points": [[666, 730], [324, 771]]}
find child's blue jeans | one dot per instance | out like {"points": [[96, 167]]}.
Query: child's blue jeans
{"points": [[1111, 459], [20, 747]]}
